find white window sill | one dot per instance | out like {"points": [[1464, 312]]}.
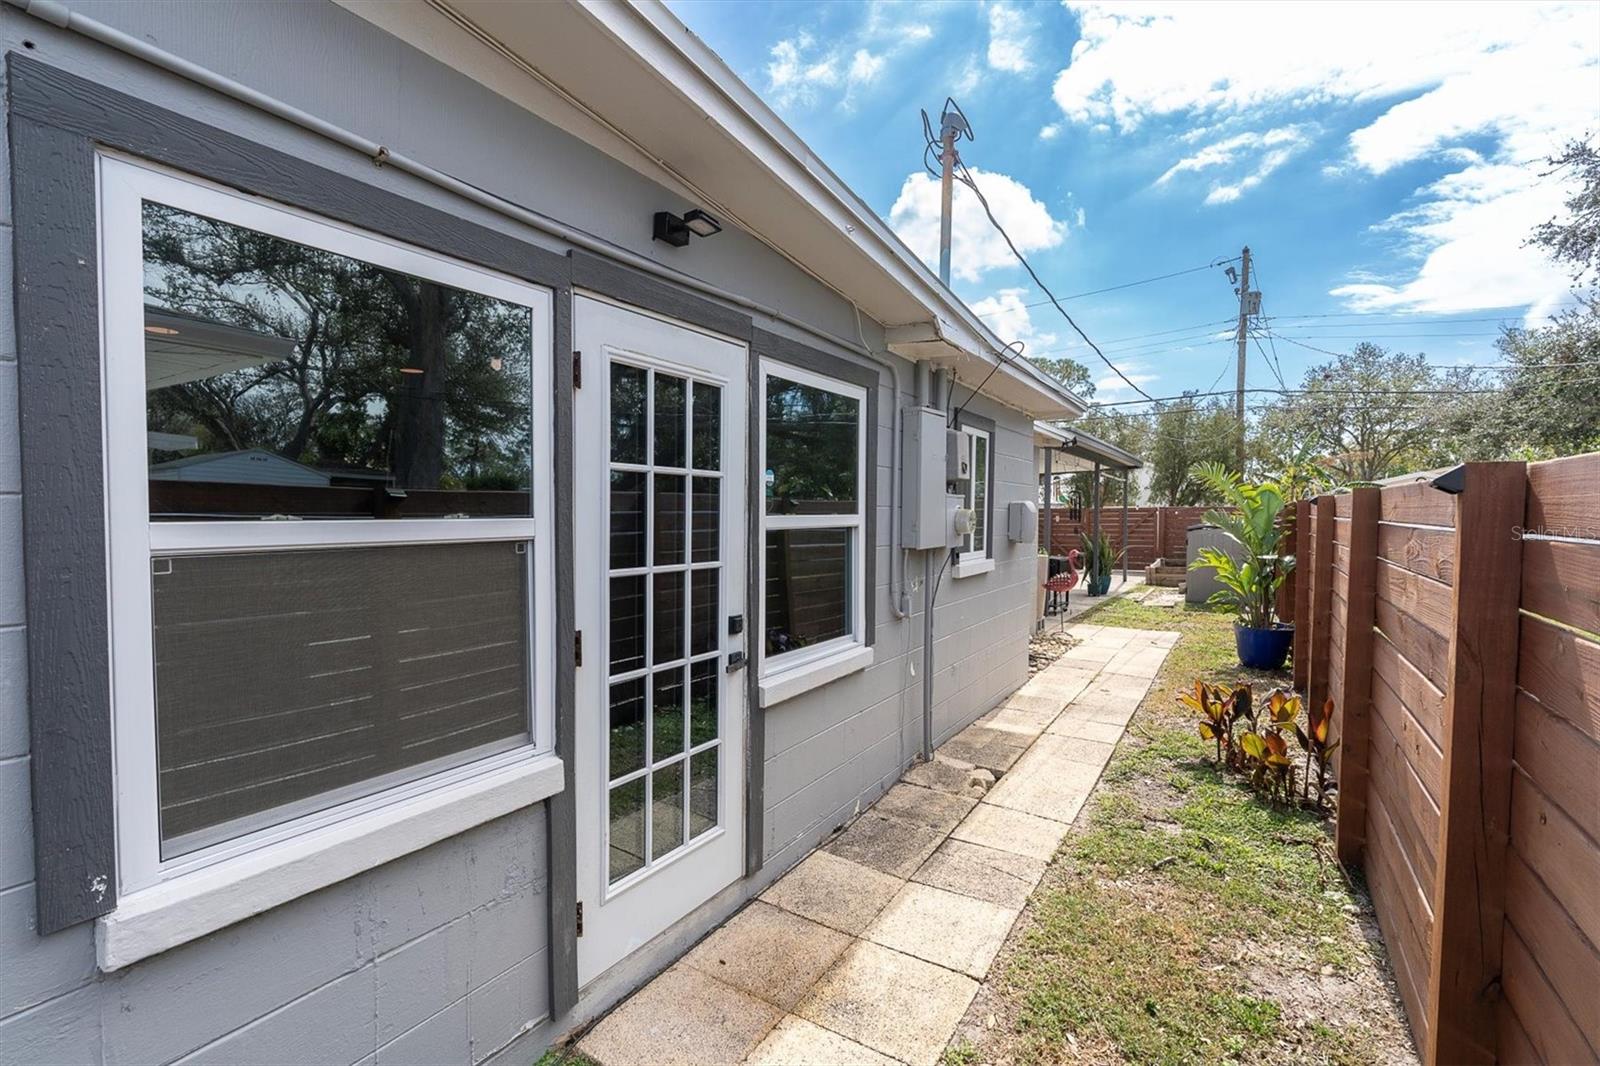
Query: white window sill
{"points": [[151, 920], [775, 688], [973, 567]]}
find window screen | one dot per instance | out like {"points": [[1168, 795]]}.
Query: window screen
{"points": [[289, 681]]}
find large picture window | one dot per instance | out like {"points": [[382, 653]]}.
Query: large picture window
{"points": [[813, 464], [329, 519]]}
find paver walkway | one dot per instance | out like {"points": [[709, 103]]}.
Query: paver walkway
{"points": [[870, 950]]}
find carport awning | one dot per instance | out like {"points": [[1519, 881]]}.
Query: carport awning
{"points": [[1073, 450]]}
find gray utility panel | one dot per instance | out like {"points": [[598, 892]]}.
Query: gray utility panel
{"points": [[1202, 583]]}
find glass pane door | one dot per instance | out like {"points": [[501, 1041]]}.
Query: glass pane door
{"points": [[664, 735]]}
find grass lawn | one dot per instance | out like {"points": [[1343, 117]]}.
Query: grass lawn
{"points": [[1184, 920]]}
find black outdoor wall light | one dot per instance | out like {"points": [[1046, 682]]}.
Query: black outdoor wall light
{"points": [[677, 231]]}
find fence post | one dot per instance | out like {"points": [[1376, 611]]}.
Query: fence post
{"points": [[1475, 786], [1321, 603], [1350, 831], [1303, 562]]}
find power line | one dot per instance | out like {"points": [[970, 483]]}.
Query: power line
{"points": [[1114, 288], [967, 180], [1328, 392]]}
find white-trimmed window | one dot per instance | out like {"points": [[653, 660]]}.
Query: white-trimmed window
{"points": [[329, 515], [813, 459], [975, 545]]}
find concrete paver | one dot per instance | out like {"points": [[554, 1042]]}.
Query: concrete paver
{"points": [[955, 931], [1001, 877], [892, 846], [1003, 829], [797, 1042], [871, 949], [684, 1017], [938, 811], [769, 953], [833, 891], [891, 1002]]}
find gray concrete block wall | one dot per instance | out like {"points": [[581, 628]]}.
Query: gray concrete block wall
{"points": [[439, 956], [830, 752]]}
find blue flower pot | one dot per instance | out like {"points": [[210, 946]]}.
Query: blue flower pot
{"points": [[1263, 649]]}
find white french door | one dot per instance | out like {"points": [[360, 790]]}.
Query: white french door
{"points": [[660, 566]]}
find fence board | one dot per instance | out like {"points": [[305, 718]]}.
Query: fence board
{"points": [[1421, 697], [1402, 913], [1515, 1047], [1556, 849], [1561, 580], [1568, 960], [1421, 750], [1426, 650], [1564, 496], [1564, 763], [1554, 1034], [1417, 503], [1422, 599], [1413, 811], [1420, 549], [1562, 671], [1321, 599]]}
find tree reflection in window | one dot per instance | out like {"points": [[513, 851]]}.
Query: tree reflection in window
{"points": [[813, 440], [287, 379]]}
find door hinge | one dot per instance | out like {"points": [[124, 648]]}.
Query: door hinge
{"points": [[577, 370], [577, 648], [580, 917]]}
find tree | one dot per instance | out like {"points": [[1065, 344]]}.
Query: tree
{"points": [[1576, 240], [1372, 413], [1071, 373], [1186, 433]]}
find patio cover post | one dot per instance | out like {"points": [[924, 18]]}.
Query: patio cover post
{"points": [[1049, 491], [1094, 497], [1126, 474]]}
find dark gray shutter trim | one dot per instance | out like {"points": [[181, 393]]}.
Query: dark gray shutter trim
{"points": [[963, 418], [562, 808], [105, 116], [765, 345], [64, 546], [641, 290]]}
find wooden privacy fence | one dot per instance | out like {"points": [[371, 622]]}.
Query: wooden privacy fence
{"points": [[1458, 634], [1153, 532]]}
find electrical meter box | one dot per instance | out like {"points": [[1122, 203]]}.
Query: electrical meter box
{"points": [[957, 459], [1022, 521], [923, 520]]}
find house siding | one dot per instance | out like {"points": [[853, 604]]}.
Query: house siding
{"points": [[443, 955]]}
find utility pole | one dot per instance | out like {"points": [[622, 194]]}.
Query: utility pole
{"points": [[947, 166], [1249, 304]]}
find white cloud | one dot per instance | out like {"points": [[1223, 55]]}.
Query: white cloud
{"points": [[799, 71], [1110, 387], [1006, 312], [1050, 132], [1270, 150], [812, 68], [1516, 80], [976, 247], [1010, 40]]}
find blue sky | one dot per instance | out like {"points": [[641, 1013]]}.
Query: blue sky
{"points": [[1382, 161]]}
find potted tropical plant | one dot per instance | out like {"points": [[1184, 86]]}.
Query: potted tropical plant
{"points": [[1251, 577], [1099, 559]]}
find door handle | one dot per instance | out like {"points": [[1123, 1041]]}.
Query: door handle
{"points": [[735, 661]]}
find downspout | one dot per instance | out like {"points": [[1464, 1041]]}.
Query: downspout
{"points": [[57, 14]]}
